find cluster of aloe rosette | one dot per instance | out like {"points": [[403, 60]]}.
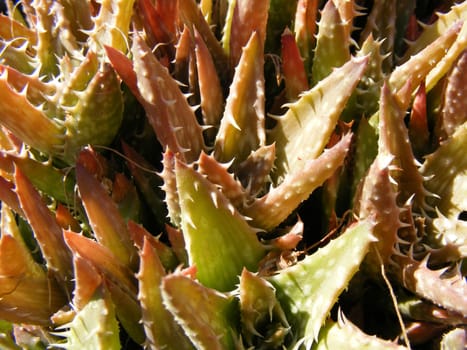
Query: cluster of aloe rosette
{"points": [[233, 174]]}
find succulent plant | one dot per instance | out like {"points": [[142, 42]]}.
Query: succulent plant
{"points": [[233, 174]]}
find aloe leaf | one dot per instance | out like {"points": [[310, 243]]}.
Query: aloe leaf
{"points": [[366, 150], [344, 334], [254, 172], [158, 22], [305, 28], [191, 15], [381, 24], [454, 339], [7, 340], [418, 123], [303, 132], [378, 202], [259, 307], [168, 111], [124, 68], [269, 211], [368, 90], [248, 17], [295, 75], [308, 290], [47, 43], [12, 29], [438, 28], [148, 183], [208, 317], [453, 112], [87, 281], [242, 128], [331, 30], [219, 240], [26, 121], [118, 279], [28, 295], [394, 140], [9, 197], [418, 66], [165, 253], [210, 90], [170, 187], [16, 260], [108, 225], [46, 178], [445, 174], [160, 327], [102, 259], [218, 174], [97, 110], [446, 291], [48, 233], [446, 64], [112, 23], [94, 327]]}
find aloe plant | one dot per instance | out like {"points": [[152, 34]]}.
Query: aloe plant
{"points": [[222, 175]]}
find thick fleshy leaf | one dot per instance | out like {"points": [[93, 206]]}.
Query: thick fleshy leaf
{"points": [[167, 109], [48, 233], [242, 128], [159, 325], [28, 295], [303, 132], [259, 307], [165, 253], [191, 15], [295, 75], [219, 240], [418, 66], [454, 106], [446, 291], [378, 202], [118, 279], [218, 174], [94, 327], [93, 107], [369, 88], [108, 225], [102, 259], [344, 334], [112, 23], [274, 207], [254, 172], [381, 24], [210, 89], [329, 55], [208, 317], [308, 290], [305, 28], [46, 178], [26, 121], [438, 28], [445, 173], [248, 17], [394, 140]]}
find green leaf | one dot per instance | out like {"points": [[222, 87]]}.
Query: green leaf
{"points": [[345, 335], [308, 290], [209, 318], [218, 239], [94, 327], [303, 132]]}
